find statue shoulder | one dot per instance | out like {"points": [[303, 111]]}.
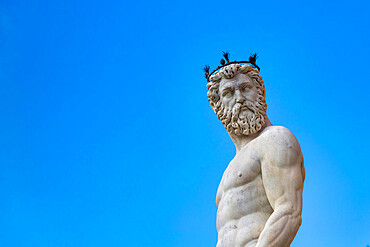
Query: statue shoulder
{"points": [[277, 140], [280, 136]]}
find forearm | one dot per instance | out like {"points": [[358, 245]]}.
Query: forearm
{"points": [[280, 228]]}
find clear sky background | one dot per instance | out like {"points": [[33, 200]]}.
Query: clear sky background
{"points": [[107, 137]]}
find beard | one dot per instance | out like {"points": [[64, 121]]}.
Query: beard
{"points": [[243, 119]]}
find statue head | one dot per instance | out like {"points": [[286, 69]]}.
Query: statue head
{"points": [[237, 96]]}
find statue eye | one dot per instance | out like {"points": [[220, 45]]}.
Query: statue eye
{"points": [[227, 93], [246, 87]]}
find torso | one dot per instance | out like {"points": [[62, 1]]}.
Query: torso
{"points": [[243, 207]]}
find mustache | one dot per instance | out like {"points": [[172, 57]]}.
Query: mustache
{"points": [[247, 105]]}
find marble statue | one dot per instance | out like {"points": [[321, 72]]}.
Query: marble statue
{"points": [[259, 199]]}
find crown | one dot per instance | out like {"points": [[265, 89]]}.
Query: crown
{"points": [[252, 61]]}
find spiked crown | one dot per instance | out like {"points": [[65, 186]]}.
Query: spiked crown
{"points": [[226, 55]]}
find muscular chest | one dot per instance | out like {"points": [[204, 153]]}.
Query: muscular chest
{"points": [[244, 168]]}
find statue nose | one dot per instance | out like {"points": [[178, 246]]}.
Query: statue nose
{"points": [[240, 100], [239, 97]]}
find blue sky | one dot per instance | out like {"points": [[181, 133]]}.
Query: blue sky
{"points": [[107, 137]]}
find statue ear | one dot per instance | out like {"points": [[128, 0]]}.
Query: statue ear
{"points": [[213, 99]]}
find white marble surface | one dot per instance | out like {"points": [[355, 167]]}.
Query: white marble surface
{"points": [[259, 198]]}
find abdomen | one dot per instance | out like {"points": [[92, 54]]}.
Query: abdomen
{"points": [[242, 214]]}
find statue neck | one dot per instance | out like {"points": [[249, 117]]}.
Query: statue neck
{"points": [[241, 141]]}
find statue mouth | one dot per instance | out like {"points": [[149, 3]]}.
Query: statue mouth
{"points": [[245, 111], [244, 108]]}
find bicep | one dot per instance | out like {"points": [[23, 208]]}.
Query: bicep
{"points": [[282, 177]]}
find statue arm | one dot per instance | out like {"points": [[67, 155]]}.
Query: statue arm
{"points": [[283, 176]]}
